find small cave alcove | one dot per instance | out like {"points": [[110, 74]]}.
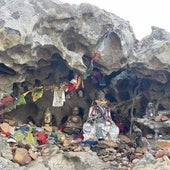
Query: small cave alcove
{"points": [[119, 88]]}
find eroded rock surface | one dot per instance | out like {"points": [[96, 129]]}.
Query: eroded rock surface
{"points": [[34, 30], [45, 39]]}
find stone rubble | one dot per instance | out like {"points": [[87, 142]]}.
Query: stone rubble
{"points": [[62, 151]]}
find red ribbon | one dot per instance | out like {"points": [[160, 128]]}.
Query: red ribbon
{"points": [[7, 100], [96, 54]]}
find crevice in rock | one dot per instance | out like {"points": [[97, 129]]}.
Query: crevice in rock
{"points": [[6, 70]]}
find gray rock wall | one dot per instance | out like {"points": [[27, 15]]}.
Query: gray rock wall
{"points": [[31, 31]]}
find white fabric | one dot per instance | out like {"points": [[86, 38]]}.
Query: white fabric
{"points": [[110, 131], [58, 98], [99, 116], [89, 132]]}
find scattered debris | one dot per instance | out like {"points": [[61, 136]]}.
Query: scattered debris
{"points": [[124, 152]]}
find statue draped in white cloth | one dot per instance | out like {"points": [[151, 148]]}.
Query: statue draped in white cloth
{"points": [[99, 124]]}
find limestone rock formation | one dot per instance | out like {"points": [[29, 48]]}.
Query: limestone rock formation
{"points": [[34, 30], [44, 39], [152, 56]]}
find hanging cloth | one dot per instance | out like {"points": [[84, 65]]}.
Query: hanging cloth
{"points": [[58, 98], [7, 100], [88, 71], [102, 43], [74, 84], [107, 35], [37, 93], [21, 99], [96, 54]]}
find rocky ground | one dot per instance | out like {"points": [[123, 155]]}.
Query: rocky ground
{"points": [[26, 147]]}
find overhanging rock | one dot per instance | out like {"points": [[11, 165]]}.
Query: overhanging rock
{"points": [[32, 30]]}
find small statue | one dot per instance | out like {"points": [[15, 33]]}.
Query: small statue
{"points": [[150, 110], [74, 122], [47, 117], [99, 124]]}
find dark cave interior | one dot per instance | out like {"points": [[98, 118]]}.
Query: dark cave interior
{"points": [[118, 87]]}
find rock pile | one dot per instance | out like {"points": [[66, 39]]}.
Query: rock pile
{"points": [[21, 148]]}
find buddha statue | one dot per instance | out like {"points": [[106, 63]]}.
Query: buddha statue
{"points": [[47, 120], [74, 123], [150, 110]]}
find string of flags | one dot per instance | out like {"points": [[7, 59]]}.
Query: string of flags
{"points": [[73, 84], [37, 92], [96, 54]]}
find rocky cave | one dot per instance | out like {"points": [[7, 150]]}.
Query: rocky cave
{"points": [[49, 43], [42, 43]]}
